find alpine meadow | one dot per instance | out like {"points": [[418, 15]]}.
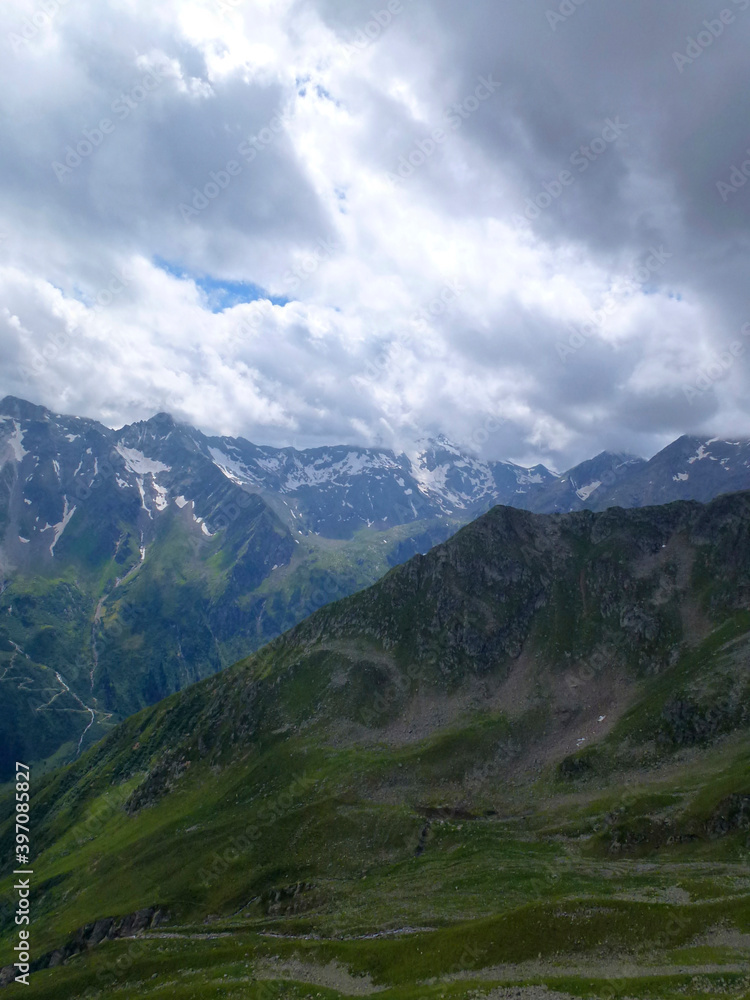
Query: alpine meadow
{"points": [[374, 500]]}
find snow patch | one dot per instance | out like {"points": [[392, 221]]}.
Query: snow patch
{"points": [[139, 482], [528, 479], [319, 474], [15, 442], [431, 480], [136, 461], [269, 464], [161, 499], [681, 477], [199, 520], [585, 491], [231, 468], [62, 525], [180, 501]]}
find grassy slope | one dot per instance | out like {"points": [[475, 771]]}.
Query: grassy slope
{"points": [[299, 837], [281, 821], [173, 594], [333, 861]]}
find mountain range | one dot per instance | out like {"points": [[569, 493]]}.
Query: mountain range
{"points": [[516, 766], [134, 562]]}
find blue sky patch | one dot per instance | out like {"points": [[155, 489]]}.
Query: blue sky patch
{"points": [[221, 295]]}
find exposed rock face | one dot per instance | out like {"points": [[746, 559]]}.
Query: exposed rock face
{"points": [[161, 780], [732, 814], [90, 936]]}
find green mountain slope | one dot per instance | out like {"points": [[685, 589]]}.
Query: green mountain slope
{"points": [[125, 576], [187, 611], [137, 561], [521, 759]]}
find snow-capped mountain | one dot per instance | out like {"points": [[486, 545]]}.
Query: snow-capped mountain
{"points": [[457, 483], [690, 468], [337, 490], [587, 484], [148, 467], [135, 561], [58, 464]]}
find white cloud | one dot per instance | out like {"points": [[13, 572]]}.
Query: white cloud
{"points": [[317, 123]]}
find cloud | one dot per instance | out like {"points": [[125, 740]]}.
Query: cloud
{"points": [[435, 197]]}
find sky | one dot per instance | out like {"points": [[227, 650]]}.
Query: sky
{"points": [[522, 224]]}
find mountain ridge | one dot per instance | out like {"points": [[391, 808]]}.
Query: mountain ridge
{"points": [[451, 481], [549, 712], [136, 561]]}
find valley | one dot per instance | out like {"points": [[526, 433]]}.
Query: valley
{"points": [[518, 763], [136, 562]]}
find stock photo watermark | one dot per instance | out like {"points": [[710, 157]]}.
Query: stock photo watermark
{"points": [[582, 332], [309, 264], [738, 178], [453, 120], [581, 159], [228, 6], [705, 37], [93, 138], [219, 180], [563, 13], [380, 20], [36, 22], [268, 815], [420, 320], [62, 340], [717, 369]]}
